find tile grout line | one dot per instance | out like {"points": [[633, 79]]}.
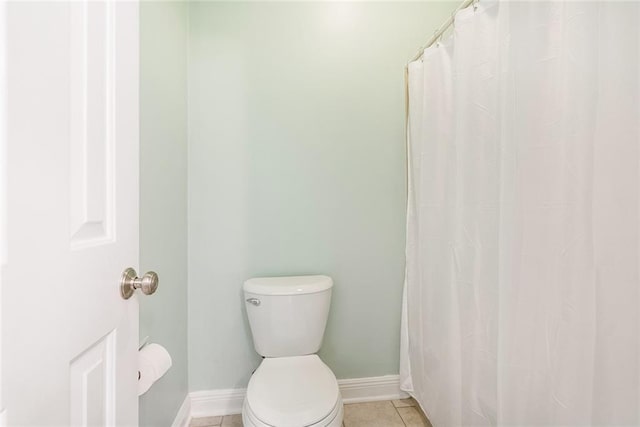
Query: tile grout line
{"points": [[401, 419], [398, 412]]}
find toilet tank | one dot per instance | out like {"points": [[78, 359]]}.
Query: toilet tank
{"points": [[287, 315]]}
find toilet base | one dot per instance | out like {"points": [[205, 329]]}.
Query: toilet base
{"points": [[334, 419]]}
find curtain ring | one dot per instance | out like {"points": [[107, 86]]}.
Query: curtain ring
{"points": [[453, 21], [475, 5]]}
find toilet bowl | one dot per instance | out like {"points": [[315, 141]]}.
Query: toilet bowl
{"points": [[293, 392], [292, 387]]}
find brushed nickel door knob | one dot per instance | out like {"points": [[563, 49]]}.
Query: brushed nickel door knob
{"points": [[130, 281]]}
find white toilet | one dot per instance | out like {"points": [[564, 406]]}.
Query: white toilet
{"points": [[292, 387]]}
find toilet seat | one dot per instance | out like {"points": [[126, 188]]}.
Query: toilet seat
{"points": [[293, 392]]}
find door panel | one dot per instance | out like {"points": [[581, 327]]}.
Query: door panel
{"points": [[92, 93], [91, 379], [69, 339]]}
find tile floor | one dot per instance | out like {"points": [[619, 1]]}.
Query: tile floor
{"points": [[386, 413]]}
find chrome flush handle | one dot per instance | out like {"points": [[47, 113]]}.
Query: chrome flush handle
{"points": [[254, 301]]}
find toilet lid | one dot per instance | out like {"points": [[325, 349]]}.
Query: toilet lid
{"points": [[292, 391]]}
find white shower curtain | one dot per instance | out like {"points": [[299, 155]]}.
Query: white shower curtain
{"points": [[523, 238]]}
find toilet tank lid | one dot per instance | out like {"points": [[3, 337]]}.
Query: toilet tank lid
{"points": [[288, 285]]}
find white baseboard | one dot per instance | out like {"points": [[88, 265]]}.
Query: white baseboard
{"points": [[210, 403], [183, 417], [371, 389]]}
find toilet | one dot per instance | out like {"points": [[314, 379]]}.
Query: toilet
{"points": [[292, 387]]}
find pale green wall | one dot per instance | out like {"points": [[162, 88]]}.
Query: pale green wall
{"points": [[297, 166], [163, 198]]}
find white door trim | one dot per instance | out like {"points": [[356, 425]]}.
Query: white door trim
{"points": [[3, 183]]}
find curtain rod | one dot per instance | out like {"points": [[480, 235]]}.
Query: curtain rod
{"points": [[443, 28]]}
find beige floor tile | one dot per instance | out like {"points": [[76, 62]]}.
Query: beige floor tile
{"points": [[402, 403], [205, 422], [413, 417], [232, 420], [372, 414]]}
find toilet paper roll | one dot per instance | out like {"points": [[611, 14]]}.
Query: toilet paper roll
{"points": [[153, 362]]}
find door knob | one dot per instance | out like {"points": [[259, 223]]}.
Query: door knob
{"points": [[130, 282]]}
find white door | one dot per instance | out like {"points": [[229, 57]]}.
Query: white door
{"points": [[69, 340]]}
